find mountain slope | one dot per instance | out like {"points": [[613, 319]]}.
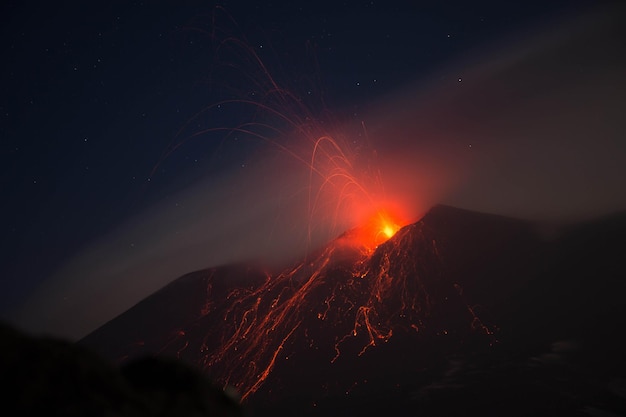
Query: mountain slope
{"points": [[456, 297]]}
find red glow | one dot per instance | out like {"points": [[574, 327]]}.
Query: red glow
{"points": [[378, 227]]}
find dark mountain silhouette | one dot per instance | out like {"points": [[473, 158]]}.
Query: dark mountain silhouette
{"points": [[459, 313]]}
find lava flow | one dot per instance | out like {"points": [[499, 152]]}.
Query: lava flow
{"points": [[263, 320], [349, 299]]}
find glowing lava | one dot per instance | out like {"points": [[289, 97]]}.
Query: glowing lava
{"points": [[389, 230], [387, 226], [329, 311], [375, 230]]}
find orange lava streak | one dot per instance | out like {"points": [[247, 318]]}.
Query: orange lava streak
{"points": [[274, 309], [269, 367]]}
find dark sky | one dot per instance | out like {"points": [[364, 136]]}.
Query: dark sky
{"points": [[96, 96]]}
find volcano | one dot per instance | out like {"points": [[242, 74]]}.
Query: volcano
{"points": [[459, 313]]}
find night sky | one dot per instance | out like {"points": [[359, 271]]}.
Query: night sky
{"points": [[119, 172]]}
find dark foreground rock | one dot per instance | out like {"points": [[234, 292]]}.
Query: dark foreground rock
{"points": [[43, 376]]}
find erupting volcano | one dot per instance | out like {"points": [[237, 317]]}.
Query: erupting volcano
{"points": [[319, 327], [388, 313], [458, 304]]}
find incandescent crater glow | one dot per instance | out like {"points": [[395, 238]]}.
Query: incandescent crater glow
{"points": [[388, 227], [377, 229], [389, 230]]}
